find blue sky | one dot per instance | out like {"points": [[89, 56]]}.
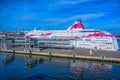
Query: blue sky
{"points": [[59, 14]]}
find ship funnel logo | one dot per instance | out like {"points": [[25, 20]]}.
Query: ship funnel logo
{"points": [[76, 26]]}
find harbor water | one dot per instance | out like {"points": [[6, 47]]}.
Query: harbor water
{"points": [[22, 67], [25, 67]]}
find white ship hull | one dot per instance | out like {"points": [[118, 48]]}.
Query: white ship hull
{"points": [[79, 37]]}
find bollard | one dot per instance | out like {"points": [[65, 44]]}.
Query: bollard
{"points": [[30, 53], [103, 59], [91, 52], [74, 58], [13, 51], [13, 54], [50, 54]]}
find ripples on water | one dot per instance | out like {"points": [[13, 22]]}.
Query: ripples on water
{"points": [[46, 68]]}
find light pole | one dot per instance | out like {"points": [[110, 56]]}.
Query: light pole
{"points": [[30, 49], [25, 45]]}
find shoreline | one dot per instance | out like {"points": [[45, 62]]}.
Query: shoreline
{"points": [[69, 54]]}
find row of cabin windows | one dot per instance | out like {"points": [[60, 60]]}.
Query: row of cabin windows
{"points": [[53, 39], [58, 43], [102, 40], [97, 40]]}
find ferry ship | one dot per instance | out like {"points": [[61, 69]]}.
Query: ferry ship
{"points": [[78, 36]]}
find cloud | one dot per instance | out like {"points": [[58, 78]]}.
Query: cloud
{"points": [[82, 17], [49, 24], [110, 25], [72, 2], [68, 2], [87, 16], [54, 19]]}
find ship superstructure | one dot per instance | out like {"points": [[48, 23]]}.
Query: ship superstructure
{"points": [[76, 36]]}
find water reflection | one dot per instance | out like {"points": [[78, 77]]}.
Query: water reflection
{"points": [[41, 67], [31, 62], [78, 67], [7, 58], [99, 67]]}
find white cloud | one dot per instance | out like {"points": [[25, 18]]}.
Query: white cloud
{"points": [[82, 17], [65, 2], [56, 20], [110, 26], [49, 24], [72, 2], [86, 16]]}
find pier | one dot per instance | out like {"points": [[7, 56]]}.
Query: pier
{"points": [[83, 54]]}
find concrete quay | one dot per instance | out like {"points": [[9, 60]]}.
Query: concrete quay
{"points": [[78, 53]]}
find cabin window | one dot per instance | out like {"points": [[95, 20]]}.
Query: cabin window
{"points": [[87, 39]]}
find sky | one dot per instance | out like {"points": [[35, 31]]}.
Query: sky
{"points": [[59, 14]]}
